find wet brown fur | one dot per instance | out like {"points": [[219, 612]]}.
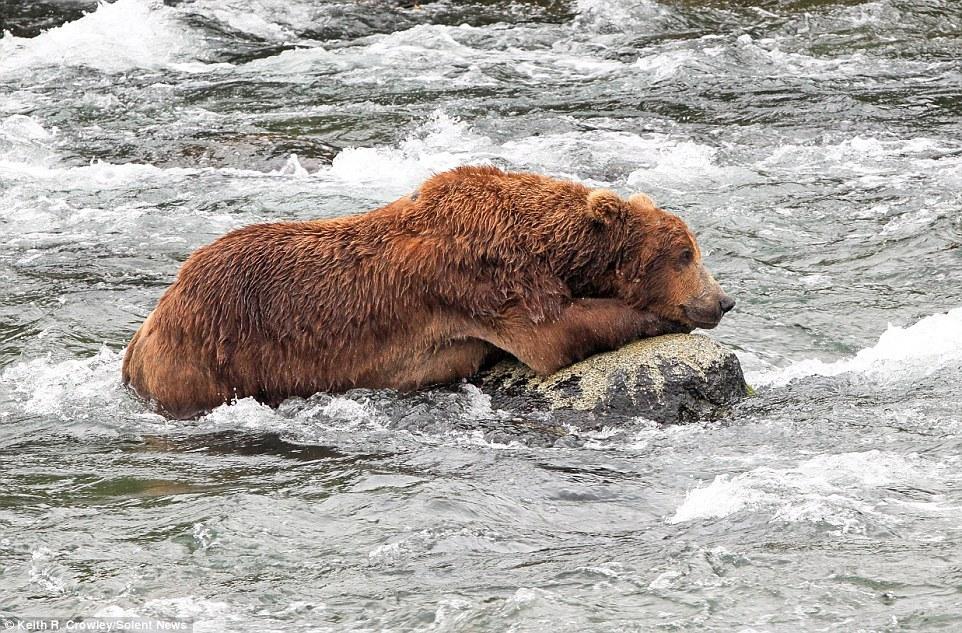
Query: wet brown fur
{"points": [[418, 292]]}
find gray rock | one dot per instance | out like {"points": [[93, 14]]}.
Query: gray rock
{"points": [[671, 379]]}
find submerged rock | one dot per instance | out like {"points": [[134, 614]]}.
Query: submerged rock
{"points": [[670, 379]]}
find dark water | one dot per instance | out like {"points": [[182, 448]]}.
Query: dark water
{"points": [[816, 149]]}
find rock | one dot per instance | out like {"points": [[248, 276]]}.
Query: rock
{"points": [[671, 379]]}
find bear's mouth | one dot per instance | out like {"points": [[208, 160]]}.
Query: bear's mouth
{"points": [[679, 327], [701, 320]]}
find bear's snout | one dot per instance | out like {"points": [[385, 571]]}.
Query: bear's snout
{"points": [[706, 309], [726, 304]]}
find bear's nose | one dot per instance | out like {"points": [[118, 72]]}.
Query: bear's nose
{"points": [[726, 304]]}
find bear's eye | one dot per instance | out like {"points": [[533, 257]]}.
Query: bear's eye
{"points": [[687, 256]]}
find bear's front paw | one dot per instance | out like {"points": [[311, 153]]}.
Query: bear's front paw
{"points": [[653, 325]]}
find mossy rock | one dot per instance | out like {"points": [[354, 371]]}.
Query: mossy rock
{"points": [[673, 379]]}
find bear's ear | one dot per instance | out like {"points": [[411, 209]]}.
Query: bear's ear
{"points": [[605, 205], [642, 201]]}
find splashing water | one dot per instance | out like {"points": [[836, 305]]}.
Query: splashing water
{"points": [[811, 149]]}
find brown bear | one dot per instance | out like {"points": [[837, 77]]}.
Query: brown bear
{"points": [[420, 292]]}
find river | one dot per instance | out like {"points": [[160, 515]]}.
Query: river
{"points": [[815, 147]]}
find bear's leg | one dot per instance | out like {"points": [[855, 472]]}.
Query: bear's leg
{"points": [[586, 327], [445, 363], [157, 370]]}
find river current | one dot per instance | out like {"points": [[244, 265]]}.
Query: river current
{"points": [[815, 147]]}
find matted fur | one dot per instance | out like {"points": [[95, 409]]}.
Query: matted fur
{"points": [[420, 291]]}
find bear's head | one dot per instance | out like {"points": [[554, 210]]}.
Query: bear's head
{"points": [[658, 266]]}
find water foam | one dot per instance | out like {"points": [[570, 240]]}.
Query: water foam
{"points": [[426, 54], [45, 221], [765, 52], [665, 65], [298, 64], [607, 16], [569, 153], [45, 198], [440, 144], [901, 354], [22, 128], [271, 20], [24, 140], [292, 167], [444, 142], [44, 386], [747, 58], [861, 155], [366, 418], [86, 389], [118, 36], [205, 615], [679, 165], [831, 489], [439, 56], [421, 47]]}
